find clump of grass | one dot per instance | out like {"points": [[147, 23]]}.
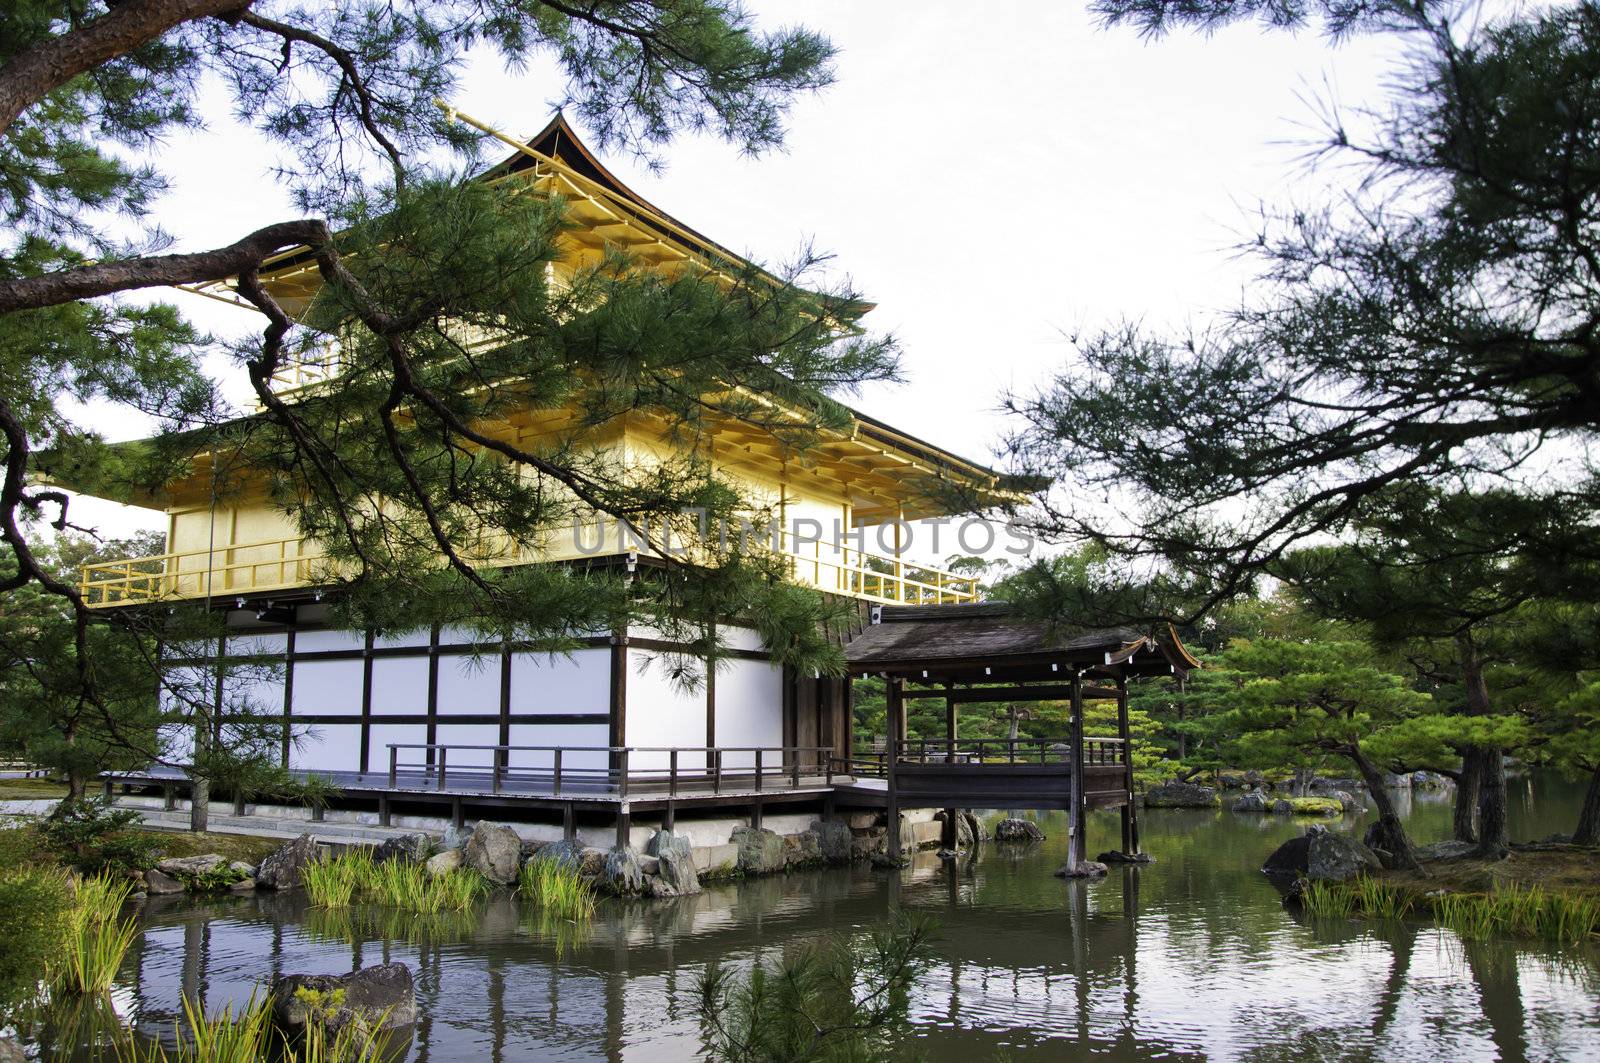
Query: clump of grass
{"points": [[408, 886], [557, 888], [334, 881], [351, 877], [96, 939], [248, 1035], [1527, 911], [1565, 918], [228, 1037], [35, 906]]}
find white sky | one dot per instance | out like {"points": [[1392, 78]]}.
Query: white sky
{"points": [[993, 176]]}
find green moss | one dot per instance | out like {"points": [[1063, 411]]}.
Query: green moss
{"points": [[22, 846], [1312, 806]]}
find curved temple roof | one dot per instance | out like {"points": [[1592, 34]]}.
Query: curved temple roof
{"points": [[991, 641]]}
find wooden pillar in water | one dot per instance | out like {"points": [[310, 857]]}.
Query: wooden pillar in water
{"points": [[1078, 852], [896, 725], [1130, 815], [950, 836]]}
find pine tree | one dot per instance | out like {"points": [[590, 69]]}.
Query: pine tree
{"points": [[412, 254], [1432, 323]]}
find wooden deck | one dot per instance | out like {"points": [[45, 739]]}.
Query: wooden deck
{"points": [[624, 780]]}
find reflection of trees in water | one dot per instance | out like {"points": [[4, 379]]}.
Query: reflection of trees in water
{"points": [[1189, 956]]}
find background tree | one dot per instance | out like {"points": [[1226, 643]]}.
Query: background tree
{"points": [[1313, 704], [1442, 581], [1434, 324], [115, 709]]}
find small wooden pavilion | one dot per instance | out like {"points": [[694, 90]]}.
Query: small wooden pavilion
{"points": [[989, 653]]}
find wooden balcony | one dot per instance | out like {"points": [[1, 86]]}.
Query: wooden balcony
{"points": [[284, 564]]}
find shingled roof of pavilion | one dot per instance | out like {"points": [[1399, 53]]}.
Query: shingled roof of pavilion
{"points": [[993, 641]]}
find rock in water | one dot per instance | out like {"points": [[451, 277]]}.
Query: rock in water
{"points": [[380, 997], [1254, 801], [1289, 859], [495, 852], [969, 832], [1087, 869], [1180, 795], [1322, 855], [1307, 806], [1018, 830], [411, 848], [1117, 856], [1338, 858], [440, 864], [159, 882], [282, 868], [622, 874], [675, 873], [803, 849], [761, 852], [562, 852], [191, 866], [833, 838]]}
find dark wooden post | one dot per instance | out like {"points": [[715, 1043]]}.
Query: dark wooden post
{"points": [[1079, 847], [1130, 815], [896, 711], [897, 733], [949, 836]]}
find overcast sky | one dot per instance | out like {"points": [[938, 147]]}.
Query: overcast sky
{"points": [[993, 176]]}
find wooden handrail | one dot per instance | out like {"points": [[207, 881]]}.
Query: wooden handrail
{"points": [[620, 779]]}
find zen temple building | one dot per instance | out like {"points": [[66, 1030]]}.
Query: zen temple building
{"points": [[432, 723]]}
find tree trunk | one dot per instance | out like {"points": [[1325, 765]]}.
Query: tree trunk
{"points": [[1492, 837], [1183, 715], [1588, 832], [1465, 819], [199, 803], [1302, 782], [199, 785], [1015, 723], [77, 790], [1388, 817]]}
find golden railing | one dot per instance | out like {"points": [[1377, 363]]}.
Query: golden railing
{"points": [[843, 569], [236, 568], [279, 564]]}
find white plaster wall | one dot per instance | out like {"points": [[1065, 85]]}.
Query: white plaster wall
{"points": [[415, 639], [741, 638], [663, 713], [326, 639], [469, 686], [576, 682], [399, 686], [469, 734], [328, 747], [749, 706], [327, 688], [583, 746], [406, 733], [276, 642]]}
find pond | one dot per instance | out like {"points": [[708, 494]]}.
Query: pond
{"points": [[1193, 957]]}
